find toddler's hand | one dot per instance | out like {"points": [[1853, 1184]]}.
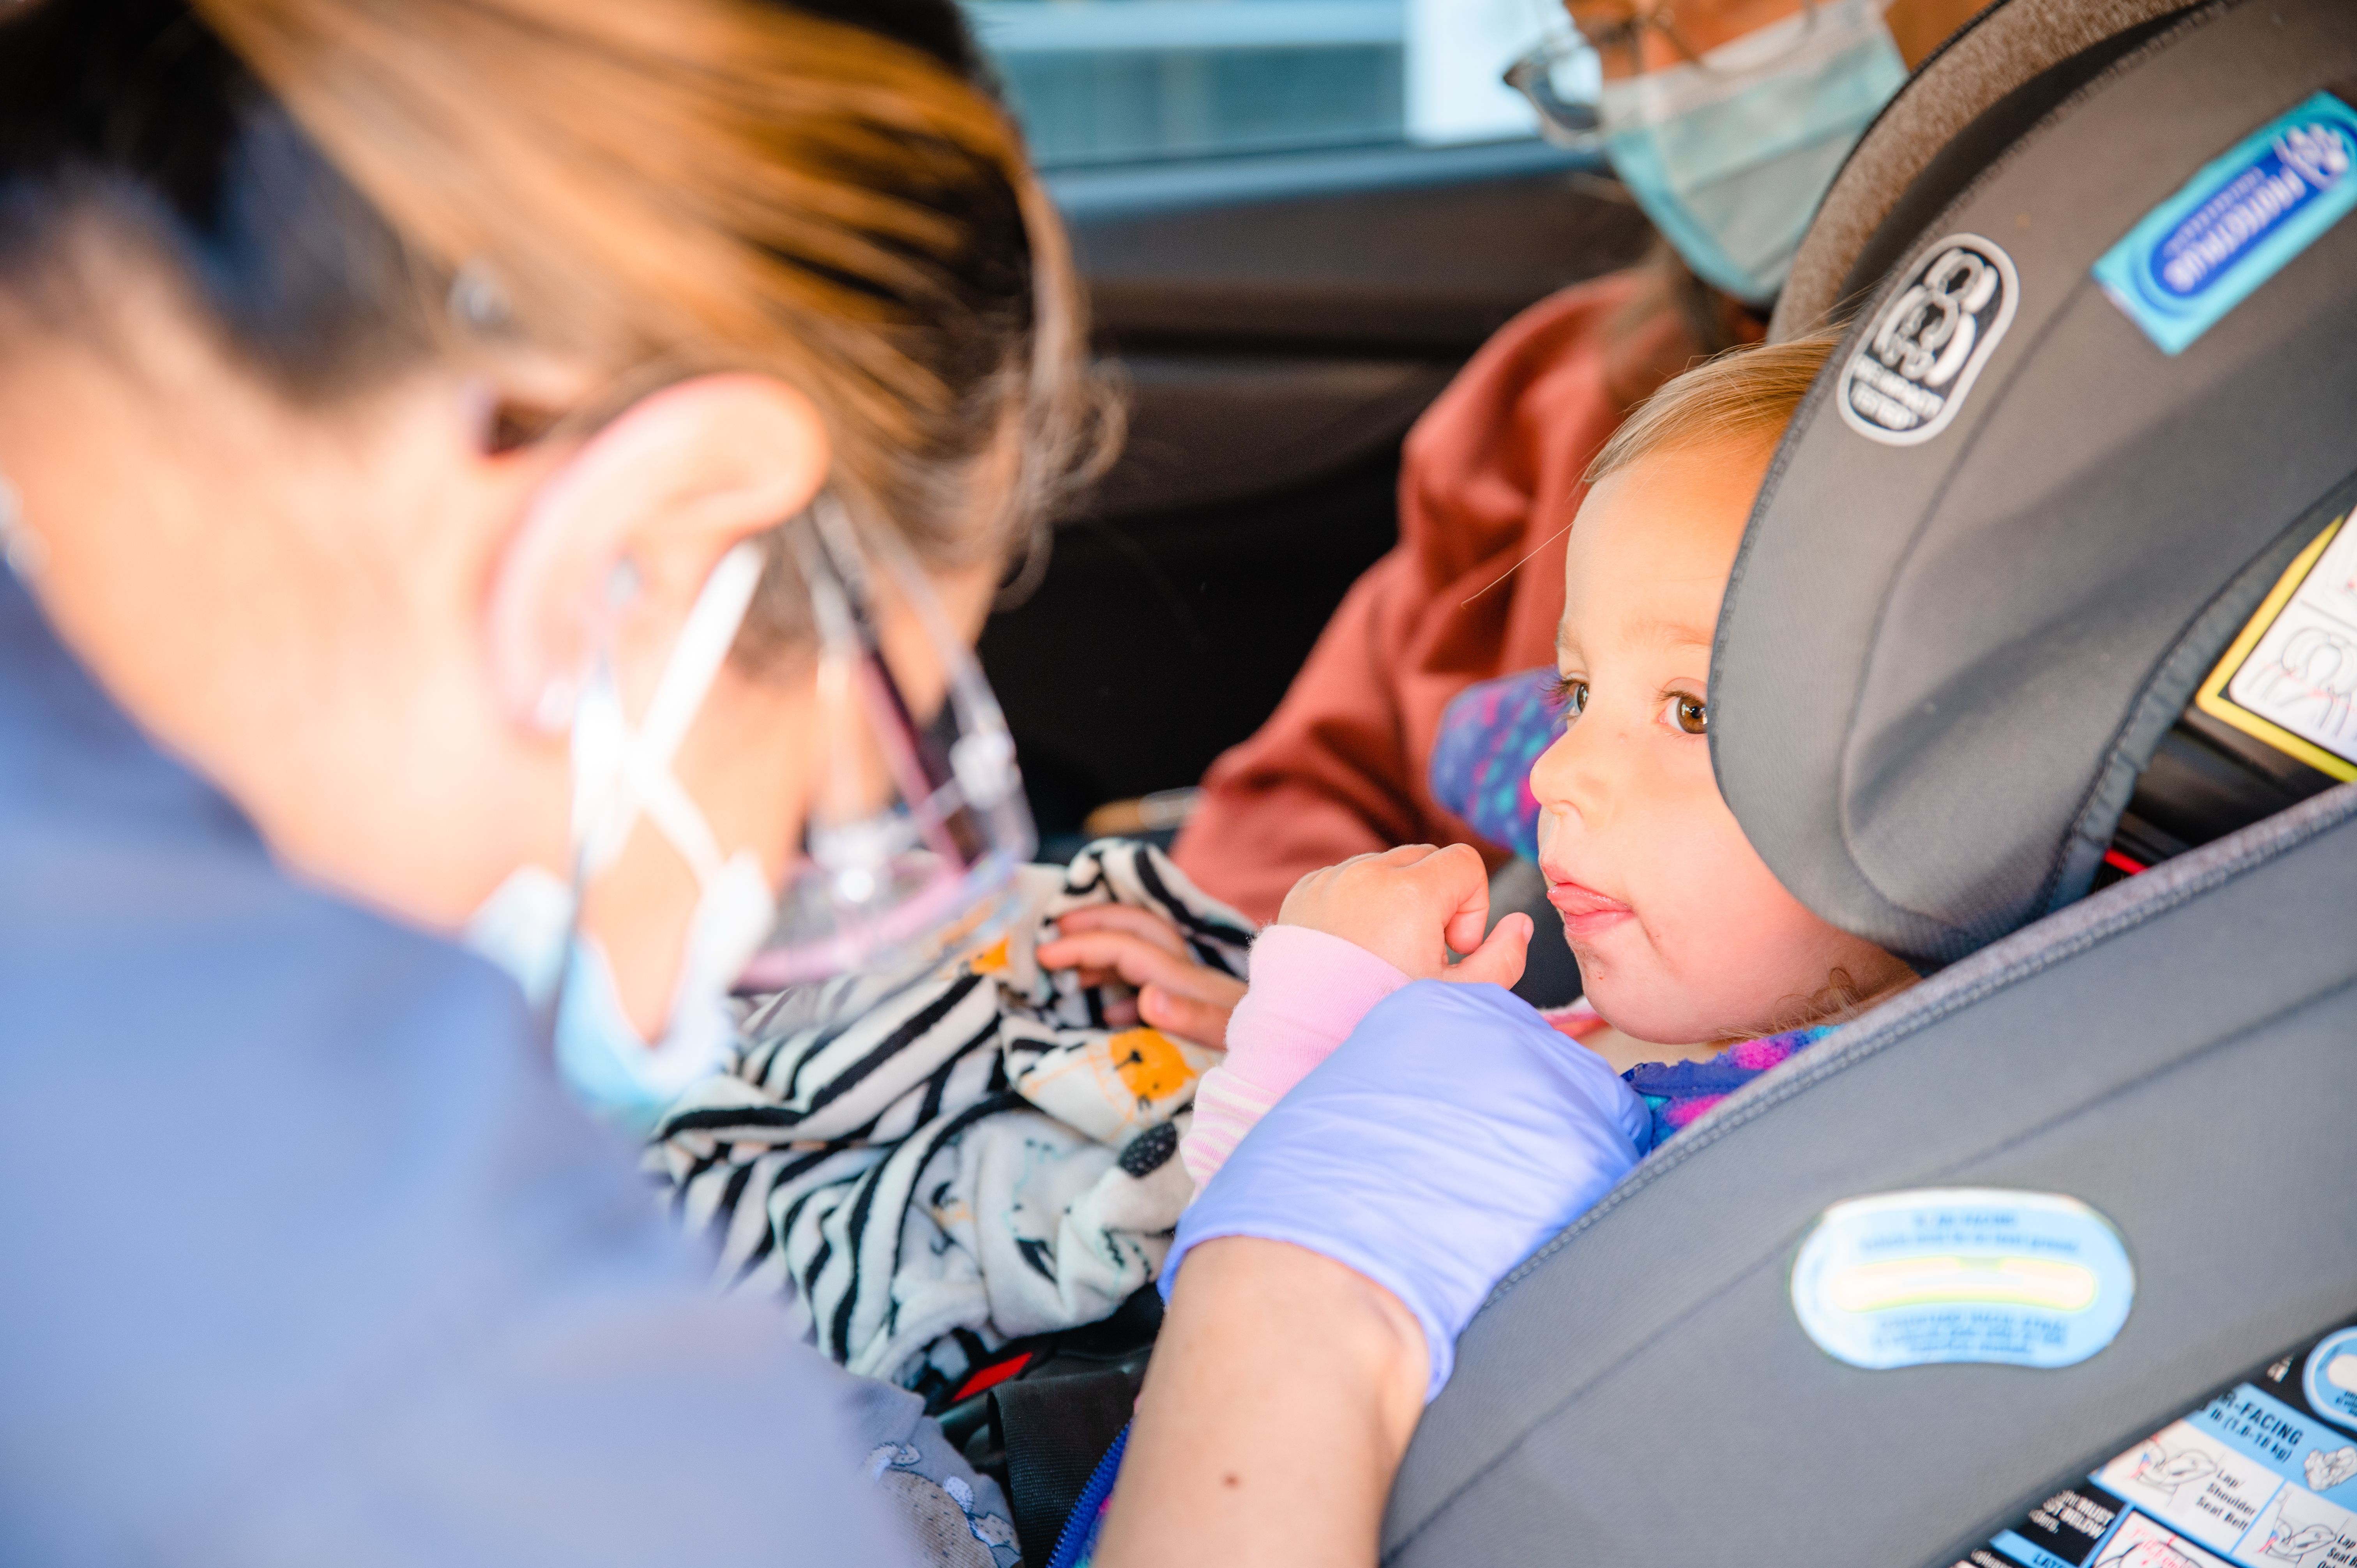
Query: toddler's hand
{"points": [[1410, 907], [1175, 993]]}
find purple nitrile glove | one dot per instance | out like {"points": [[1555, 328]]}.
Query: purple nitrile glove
{"points": [[1450, 1135]]}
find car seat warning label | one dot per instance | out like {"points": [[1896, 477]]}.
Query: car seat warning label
{"points": [[2258, 1477], [1915, 1278], [2290, 678]]}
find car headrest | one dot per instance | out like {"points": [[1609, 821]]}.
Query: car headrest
{"points": [[2008, 47], [2103, 399]]}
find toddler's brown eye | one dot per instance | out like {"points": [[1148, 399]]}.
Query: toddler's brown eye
{"points": [[1694, 716], [1575, 695]]}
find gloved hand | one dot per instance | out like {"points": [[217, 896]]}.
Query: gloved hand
{"points": [[1451, 1134]]}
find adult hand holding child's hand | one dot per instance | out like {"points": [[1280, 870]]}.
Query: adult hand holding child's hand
{"points": [[1412, 906], [1453, 1133]]}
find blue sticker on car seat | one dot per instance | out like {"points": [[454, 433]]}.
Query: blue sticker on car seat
{"points": [[2330, 1381], [2235, 224]]}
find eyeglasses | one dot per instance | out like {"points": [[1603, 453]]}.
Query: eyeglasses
{"points": [[1608, 42], [919, 825]]}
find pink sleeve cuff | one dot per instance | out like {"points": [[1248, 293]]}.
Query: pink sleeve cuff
{"points": [[1226, 1107], [1308, 991]]}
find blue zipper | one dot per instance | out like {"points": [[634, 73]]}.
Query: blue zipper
{"points": [[1080, 1527]]}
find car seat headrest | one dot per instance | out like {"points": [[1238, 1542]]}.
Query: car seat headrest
{"points": [[2005, 47], [2008, 539]]}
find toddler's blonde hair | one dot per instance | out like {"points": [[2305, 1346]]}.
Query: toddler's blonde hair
{"points": [[1752, 391]]}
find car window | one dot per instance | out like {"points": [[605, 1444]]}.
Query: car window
{"points": [[1109, 83], [1271, 202]]}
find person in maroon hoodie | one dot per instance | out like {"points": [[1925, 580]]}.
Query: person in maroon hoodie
{"points": [[1491, 477]]}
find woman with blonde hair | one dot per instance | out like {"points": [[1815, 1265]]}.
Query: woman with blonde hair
{"points": [[492, 474]]}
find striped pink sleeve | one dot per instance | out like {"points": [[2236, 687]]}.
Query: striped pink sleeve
{"points": [[1308, 991]]}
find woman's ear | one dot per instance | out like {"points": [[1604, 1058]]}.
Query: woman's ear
{"points": [[617, 539]]}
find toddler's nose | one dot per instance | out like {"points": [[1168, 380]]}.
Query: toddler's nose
{"points": [[1569, 782]]}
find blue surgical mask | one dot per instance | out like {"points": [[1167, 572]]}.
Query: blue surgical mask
{"points": [[530, 925], [1731, 157], [527, 928]]}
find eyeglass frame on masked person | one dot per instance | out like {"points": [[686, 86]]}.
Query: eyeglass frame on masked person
{"points": [[1728, 151], [1573, 124]]}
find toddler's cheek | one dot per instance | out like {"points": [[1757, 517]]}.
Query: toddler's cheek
{"points": [[1739, 951], [1774, 956]]}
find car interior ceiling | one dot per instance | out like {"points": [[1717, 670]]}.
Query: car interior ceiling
{"points": [[1276, 350]]}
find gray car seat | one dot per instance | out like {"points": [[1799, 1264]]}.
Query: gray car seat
{"points": [[1642, 1393], [1980, 622]]}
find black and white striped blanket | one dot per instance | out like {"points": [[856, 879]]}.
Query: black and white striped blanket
{"points": [[924, 1171]]}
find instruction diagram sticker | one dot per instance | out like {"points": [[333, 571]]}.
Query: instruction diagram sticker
{"points": [[2235, 224], [2196, 1482], [1908, 376], [2255, 1477], [2141, 1543], [2290, 678], [1941, 1274]]}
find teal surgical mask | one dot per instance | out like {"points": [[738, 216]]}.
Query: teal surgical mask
{"points": [[1730, 154], [527, 928]]}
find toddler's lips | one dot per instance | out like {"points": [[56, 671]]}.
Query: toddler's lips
{"points": [[1585, 912]]}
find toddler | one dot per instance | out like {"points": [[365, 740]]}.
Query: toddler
{"points": [[1700, 969]]}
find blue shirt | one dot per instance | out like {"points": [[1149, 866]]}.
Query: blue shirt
{"points": [[303, 1258]]}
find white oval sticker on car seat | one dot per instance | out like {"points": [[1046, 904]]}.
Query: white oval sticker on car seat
{"points": [[1912, 1279]]}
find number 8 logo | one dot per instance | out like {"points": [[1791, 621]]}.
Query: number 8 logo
{"points": [[1929, 332], [1907, 375]]}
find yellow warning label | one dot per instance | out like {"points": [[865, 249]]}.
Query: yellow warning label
{"points": [[2290, 678]]}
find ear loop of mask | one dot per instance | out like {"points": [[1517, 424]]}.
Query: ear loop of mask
{"points": [[621, 774]]}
